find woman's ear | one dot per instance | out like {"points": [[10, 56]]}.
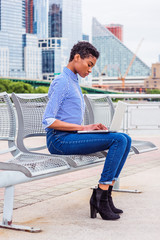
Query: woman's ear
{"points": [[77, 57]]}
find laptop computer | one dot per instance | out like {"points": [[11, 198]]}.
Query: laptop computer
{"points": [[116, 121]]}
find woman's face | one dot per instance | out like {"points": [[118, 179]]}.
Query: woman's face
{"points": [[84, 66]]}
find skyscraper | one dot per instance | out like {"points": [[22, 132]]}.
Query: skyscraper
{"points": [[114, 55], [29, 16], [32, 57], [55, 19], [13, 40], [12, 15], [65, 20], [64, 30], [4, 61], [54, 56], [40, 22]]}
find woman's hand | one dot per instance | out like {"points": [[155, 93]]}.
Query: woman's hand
{"points": [[64, 126], [98, 126]]}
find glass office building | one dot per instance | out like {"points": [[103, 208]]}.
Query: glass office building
{"points": [[12, 27], [40, 22], [54, 56], [115, 57], [13, 39], [29, 16], [55, 19], [4, 61], [65, 20], [32, 57]]}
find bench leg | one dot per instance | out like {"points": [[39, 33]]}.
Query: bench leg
{"points": [[8, 205], [8, 212], [116, 188]]}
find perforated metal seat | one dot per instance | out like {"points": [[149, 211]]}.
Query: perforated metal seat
{"points": [[82, 160], [30, 112], [30, 164]]}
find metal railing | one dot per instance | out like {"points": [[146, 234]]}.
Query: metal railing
{"points": [[143, 115]]}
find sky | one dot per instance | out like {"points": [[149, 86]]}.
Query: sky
{"points": [[140, 20]]}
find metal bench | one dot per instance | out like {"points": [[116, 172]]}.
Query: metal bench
{"points": [[30, 112], [26, 164], [22, 165], [105, 105]]}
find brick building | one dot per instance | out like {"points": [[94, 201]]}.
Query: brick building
{"points": [[153, 81]]}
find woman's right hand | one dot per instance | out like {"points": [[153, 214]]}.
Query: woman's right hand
{"points": [[98, 126]]}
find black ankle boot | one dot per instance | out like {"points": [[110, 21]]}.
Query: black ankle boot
{"points": [[99, 204], [111, 204]]}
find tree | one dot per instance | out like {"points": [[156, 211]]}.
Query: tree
{"points": [[20, 87], [4, 85], [2, 88], [153, 91], [41, 89]]}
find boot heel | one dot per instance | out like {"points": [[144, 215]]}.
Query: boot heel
{"points": [[93, 211]]}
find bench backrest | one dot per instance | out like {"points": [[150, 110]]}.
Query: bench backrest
{"points": [[7, 123], [97, 106], [30, 112], [7, 118]]}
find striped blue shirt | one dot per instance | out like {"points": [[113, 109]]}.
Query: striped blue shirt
{"points": [[66, 101]]}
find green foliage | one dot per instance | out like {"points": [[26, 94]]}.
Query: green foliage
{"points": [[4, 85], [84, 91], [17, 87], [153, 91], [2, 88], [41, 89], [20, 87]]}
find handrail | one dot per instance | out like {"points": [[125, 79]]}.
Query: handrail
{"points": [[123, 95]]}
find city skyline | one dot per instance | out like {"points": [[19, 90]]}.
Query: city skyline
{"points": [[36, 36], [57, 25], [140, 20]]}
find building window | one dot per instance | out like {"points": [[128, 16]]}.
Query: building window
{"points": [[154, 72], [44, 44], [58, 43]]}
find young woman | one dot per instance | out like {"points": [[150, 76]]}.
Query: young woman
{"points": [[63, 118]]}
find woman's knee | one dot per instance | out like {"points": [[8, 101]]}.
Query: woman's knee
{"points": [[129, 140], [121, 139]]}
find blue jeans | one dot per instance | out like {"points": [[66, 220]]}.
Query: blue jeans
{"points": [[73, 143]]}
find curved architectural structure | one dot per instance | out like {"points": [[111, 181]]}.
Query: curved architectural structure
{"points": [[115, 57]]}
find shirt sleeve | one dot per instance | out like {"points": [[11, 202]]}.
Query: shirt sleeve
{"points": [[57, 92]]}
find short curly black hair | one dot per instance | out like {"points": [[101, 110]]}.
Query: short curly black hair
{"points": [[84, 49]]}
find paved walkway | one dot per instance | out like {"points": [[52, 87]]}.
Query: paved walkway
{"points": [[59, 205]]}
